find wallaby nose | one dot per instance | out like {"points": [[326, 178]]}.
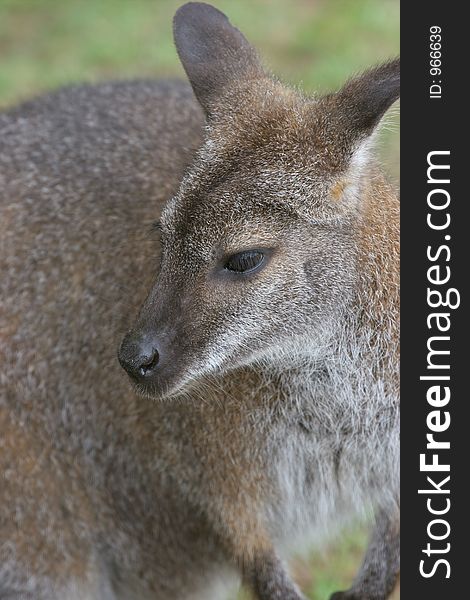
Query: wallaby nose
{"points": [[139, 356], [149, 363]]}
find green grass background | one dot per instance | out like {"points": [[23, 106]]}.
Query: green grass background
{"points": [[316, 44]]}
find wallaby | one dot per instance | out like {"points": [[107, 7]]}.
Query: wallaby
{"points": [[263, 408]]}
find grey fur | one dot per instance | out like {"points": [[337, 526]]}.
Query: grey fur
{"points": [[277, 413]]}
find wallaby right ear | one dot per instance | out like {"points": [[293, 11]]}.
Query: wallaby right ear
{"points": [[213, 52], [363, 100]]}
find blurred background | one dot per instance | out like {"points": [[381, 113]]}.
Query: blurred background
{"points": [[314, 44]]}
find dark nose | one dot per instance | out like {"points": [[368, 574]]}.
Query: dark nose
{"points": [[139, 356]]}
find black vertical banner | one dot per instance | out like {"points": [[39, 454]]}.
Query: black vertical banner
{"points": [[434, 283]]}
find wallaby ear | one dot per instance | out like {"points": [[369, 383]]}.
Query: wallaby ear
{"points": [[213, 52], [363, 101]]}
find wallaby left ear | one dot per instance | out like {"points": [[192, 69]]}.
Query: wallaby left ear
{"points": [[214, 53], [363, 101]]}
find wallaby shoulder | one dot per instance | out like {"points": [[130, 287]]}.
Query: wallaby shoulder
{"points": [[134, 132]]}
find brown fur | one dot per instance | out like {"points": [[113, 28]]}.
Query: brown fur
{"points": [[274, 401]]}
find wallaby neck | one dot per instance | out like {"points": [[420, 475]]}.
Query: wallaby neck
{"points": [[378, 260]]}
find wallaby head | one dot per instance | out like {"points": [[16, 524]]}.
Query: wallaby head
{"points": [[259, 244]]}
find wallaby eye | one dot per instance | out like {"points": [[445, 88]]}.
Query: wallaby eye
{"points": [[242, 262]]}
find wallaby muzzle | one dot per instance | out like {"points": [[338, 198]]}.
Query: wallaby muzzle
{"points": [[154, 352]]}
